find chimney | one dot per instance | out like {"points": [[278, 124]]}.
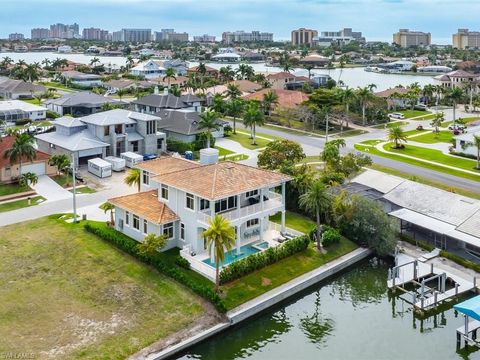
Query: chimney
{"points": [[156, 91], [165, 91]]}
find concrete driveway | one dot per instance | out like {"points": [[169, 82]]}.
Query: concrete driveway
{"points": [[50, 190]]}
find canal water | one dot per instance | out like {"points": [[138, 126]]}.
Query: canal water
{"points": [[352, 77], [351, 316]]}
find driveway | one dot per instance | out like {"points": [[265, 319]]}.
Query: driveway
{"points": [[50, 190]]}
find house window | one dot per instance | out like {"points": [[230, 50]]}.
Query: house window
{"points": [[168, 230], [204, 204], [151, 127], [146, 177], [118, 129], [182, 231], [226, 204], [165, 192], [159, 143], [190, 202], [145, 226], [135, 146], [127, 218], [251, 193], [8, 171], [252, 222], [106, 130], [52, 146], [136, 222]]}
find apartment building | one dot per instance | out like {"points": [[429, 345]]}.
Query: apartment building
{"points": [[407, 38], [170, 35], [64, 31], [204, 38], [132, 35], [303, 36], [465, 39], [242, 36], [341, 37], [15, 37], [39, 33], [95, 34]]}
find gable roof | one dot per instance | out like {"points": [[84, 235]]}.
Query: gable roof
{"points": [[20, 86], [162, 101], [218, 181], [247, 86], [116, 116], [280, 75], [286, 98], [389, 92], [147, 206], [81, 140], [167, 164], [179, 121], [7, 143], [83, 98]]}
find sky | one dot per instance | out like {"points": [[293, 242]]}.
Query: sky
{"points": [[377, 19]]}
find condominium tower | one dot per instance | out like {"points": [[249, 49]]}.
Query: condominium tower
{"points": [[465, 39], [303, 36], [406, 38]]}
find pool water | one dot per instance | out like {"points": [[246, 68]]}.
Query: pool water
{"points": [[231, 256]]}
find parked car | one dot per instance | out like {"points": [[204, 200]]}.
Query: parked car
{"points": [[149, 157], [457, 127], [420, 107], [396, 116]]}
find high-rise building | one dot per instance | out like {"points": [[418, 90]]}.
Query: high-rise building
{"points": [[342, 37], [242, 36], [204, 38], [170, 35], [136, 35], [465, 39], [117, 36], [95, 34], [40, 34], [406, 38], [15, 36], [63, 31], [303, 36]]}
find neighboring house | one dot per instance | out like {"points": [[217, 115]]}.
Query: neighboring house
{"points": [[109, 133], [279, 80], [154, 103], [227, 57], [180, 66], [80, 103], [394, 97], [11, 172], [286, 98], [82, 79], [253, 57], [19, 89], [210, 72], [314, 60], [178, 81], [183, 196], [124, 84], [12, 110], [457, 78], [183, 124], [148, 70], [247, 86], [464, 143]]}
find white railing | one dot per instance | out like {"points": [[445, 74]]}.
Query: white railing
{"points": [[278, 227]]}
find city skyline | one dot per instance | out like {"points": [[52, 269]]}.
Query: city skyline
{"points": [[214, 17]]}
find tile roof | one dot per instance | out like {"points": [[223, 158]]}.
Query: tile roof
{"points": [[167, 164], [20, 86], [162, 101], [286, 98], [389, 92], [221, 180], [181, 121], [281, 75], [247, 86], [7, 143], [83, 98], [147, 206]]}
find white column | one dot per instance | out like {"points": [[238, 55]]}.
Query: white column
{"points": [[283, 205], [283, 221], [262, 229], [212, 208], [283, 194], [262, 197], [238, 206], [239, 238]]}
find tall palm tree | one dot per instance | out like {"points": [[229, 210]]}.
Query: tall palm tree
{"points": [[220, 237], [218, 103], [476, 143], [209, 123], [455, 96], [346, 97], [22, 148], [316, 200], [270, 99], [121, 93], [226, 73], [133, 178], [252, 118], [94, 61], [364, 95], [396, 134], [106, 206], [235, 109], [169, 75], [232, 92]]}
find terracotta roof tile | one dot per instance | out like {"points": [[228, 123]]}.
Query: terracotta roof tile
{"points": [[167, 164], [6, 143], [147, 206], [286, 98]]}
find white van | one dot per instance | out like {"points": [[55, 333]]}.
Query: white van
{"points": [[396, 116], [99, 167]]}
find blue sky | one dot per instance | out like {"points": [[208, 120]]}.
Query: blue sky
{"points": [[378, 19]]}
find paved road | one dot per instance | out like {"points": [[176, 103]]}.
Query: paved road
{"points": [[50, 190]]}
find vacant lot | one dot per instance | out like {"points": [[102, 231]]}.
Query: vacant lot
{"points": [[67, 294]]}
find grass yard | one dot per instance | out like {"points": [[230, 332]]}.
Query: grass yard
{"points": [[445, 136], [222, 151], [466, 120], [84, 190], [243, 138], [390, 124], [71, 295], [64, 180], [268, 278], [18, 204], [295, 221], [413, 113], [349, 133], [9, 189]]}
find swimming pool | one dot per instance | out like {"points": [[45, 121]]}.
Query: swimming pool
{"points": [[232, 256]]}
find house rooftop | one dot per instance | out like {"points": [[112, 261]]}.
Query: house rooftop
{"points": [[116, 116], [82, 98], [7, 143], [167, 164], [392, 91], [286, 98], [218, 181], [181, 121], [81, 140], [9, 105], [80, 76], [166, 101], [19, 86], [146, 205]]}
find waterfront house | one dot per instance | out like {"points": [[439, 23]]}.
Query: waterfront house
{"points": [[457, 78], [180, 196], [80, 103], [148, 70], [108, 133], [13, 110], [154, 103], [19, 89], [210, 72], [464, 143], [395, 97], [113, 86], [286, 98], [81, 79]]}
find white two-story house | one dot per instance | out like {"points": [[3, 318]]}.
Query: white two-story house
{"points": [[179, 197]]}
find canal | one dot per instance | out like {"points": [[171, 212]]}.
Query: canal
{"points": [[351, 316]]}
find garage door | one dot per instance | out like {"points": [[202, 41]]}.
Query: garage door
{"points": [[38, 168]]}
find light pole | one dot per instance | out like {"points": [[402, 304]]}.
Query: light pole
{"points": [[74, 190]]}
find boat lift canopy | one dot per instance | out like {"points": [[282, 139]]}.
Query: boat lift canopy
{"points": [[470, 307]]}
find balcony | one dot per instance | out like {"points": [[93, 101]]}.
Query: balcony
{"points": [[274, 202]]}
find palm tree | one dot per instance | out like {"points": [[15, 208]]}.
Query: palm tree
{"points": [[245, 71], [129, 62], [437, 121], [346, 97], [121, 93], [316, 200], [106, 206], [235, 109], [476, 143], [220, 237], [94, 61], [232, 92], [22, 148], [202, 70], [61, 162], [270, 99], [218, 103], [27, 179], [309, 68], [252, 117], [396, 134], [133, 178], [364, 96], [226, 73], [169, 75], [455, 95], [208, 122]]}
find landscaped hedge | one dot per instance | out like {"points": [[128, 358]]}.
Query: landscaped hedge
{"points": [[239, 268], [129, 245]]}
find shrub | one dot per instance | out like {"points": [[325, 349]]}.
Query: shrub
{"points": [[182, 262], [129, 245], [239, 268], [331, 236], [201, 141], [22, 121], [52, 114], [178, 146]]}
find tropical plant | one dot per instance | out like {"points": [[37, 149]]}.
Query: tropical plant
{"points": [[133, 178], [151, 244], [235, 109], [121, 93], [270, 99], [245, 71], [364, 95], [169, 75], [232, 92], [316, 200], [28, 178], [437, 121], [220, 237], [218, 103], [476, 143], [346, 97], [209, 123], [252, 118], [455, 96], [226, 73], [61, 162], [22, 148], [331, 151], [281, 155], [397, 135], [107, 206]]}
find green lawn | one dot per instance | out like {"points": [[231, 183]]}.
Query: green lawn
{"points": [[63, 180], [444, 136], [243, 138], [84, 190], [222, 151], [14, 205], [75, 296], [413, 132], [259, 282], [390, 124], [413, 113], [9, 189], [295, 221], [349, 133], [465, 120]]}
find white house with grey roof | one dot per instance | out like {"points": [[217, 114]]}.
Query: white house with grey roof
{"points": [[464, 143], [154, 103], [12, 110], [80, 103], [103, 134], [19, 89], [149, 69]]}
